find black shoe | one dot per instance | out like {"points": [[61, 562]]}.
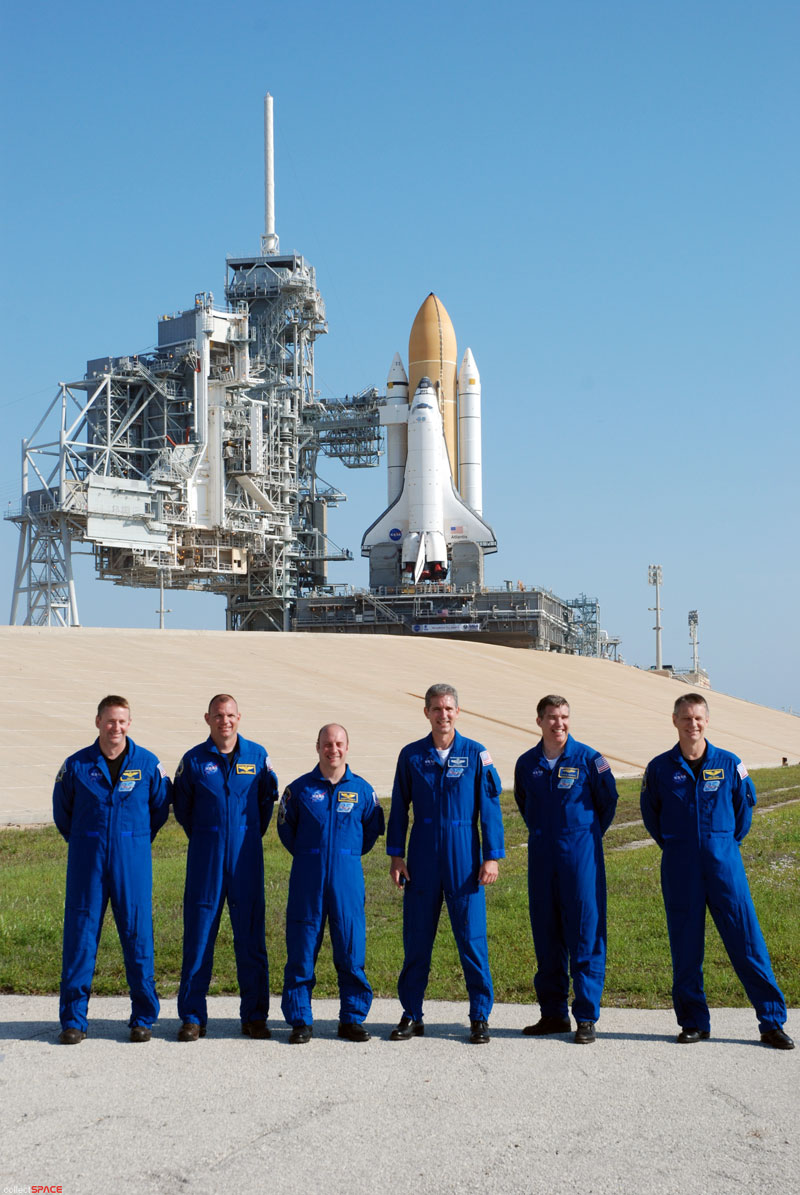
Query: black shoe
{"points": [[585, 1034], [548, 1025], [190, 1031], [479, 1032], [689, 1035], [407, 1029], [256, 1029], [777, 1039], [140, 1033], [71, 1036], [352, 1031], [300, 1035]]}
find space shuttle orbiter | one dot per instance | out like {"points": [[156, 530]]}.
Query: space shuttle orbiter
{"points": [[431, 531]]}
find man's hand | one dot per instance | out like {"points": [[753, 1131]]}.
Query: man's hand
{"points": [[398, 871], [489, 872]]}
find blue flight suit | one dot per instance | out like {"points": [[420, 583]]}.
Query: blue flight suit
{"points": [[444, 857], [109, 829], [699, 825], [567, 810], [326, 828], [224, 805]]}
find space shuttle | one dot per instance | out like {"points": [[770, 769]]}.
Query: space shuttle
{"points": [[432, 529]]}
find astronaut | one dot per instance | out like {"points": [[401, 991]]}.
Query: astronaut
{"points": [[697, 803], [452, 785], [224, 793], [327, 820], [109, 802], [567, 797]]}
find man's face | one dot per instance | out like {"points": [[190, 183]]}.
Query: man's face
{"points": [[442, 713], [112, 725], [223, 721], [332, 747], [554, 724], [691, 722]]}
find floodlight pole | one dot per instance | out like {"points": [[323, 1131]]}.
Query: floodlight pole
{"points": [[693, 621], [655, 577]]}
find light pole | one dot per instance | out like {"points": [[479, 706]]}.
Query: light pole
{"points": [[693, 621], [654, 577]]}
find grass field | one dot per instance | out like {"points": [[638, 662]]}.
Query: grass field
{"points": [[33, 863]]}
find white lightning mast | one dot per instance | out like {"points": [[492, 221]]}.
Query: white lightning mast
{"points": [[269, 241]]}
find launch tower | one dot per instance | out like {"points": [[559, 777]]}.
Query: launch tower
{"points": [[194, 466]]}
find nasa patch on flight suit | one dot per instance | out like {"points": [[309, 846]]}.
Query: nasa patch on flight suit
{"points": [[210, 768], [245, 769]]}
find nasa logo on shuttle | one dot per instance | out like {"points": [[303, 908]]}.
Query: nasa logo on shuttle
{"points": [[395, 534]]}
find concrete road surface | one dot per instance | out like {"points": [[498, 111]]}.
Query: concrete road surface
{"points": [[634, 1113]]}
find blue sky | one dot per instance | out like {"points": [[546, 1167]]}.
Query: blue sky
{"points": [[603, 195]]}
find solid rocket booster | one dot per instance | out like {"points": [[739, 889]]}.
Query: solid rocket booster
{"points": [[395, 418], [470, 482]]}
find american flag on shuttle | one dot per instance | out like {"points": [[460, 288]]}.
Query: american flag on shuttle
{"points": [[602, 764], [456, 530]]}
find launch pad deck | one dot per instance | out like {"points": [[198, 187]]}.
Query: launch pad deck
{"points": [[530, 618]]}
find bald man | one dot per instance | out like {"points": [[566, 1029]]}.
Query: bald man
{"points": [[327, 820]]}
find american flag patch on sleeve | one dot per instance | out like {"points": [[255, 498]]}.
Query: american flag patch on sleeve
{"points": [[602, 764], [742, 770], [486, 759]]}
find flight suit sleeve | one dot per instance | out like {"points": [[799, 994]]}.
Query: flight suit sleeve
{"points": [[604, 792], [520, 796], [491, 815], [160, 798], [63, 800], [183, 795], [650, 805], [373, 824], [288, 819], [267, 795], [743, 795], [398, 813]]}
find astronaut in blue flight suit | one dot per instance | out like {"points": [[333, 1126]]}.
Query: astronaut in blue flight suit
{"points": [[327, 820], [452, 785], [224, 793], [697, 803], [567, 796], [109, 802]]}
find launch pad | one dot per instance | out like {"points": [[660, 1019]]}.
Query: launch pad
{"points": [[194, 466]]}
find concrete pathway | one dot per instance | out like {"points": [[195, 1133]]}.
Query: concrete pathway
{"points": [[634, 1113]]}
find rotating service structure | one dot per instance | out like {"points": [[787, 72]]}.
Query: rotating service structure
{"points": [[194, 465]]}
